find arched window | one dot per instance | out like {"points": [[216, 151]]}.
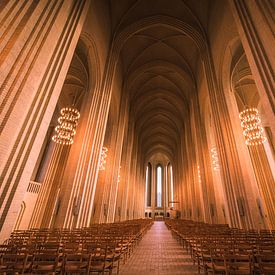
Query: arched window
{"points": [[159, 186], [171, 185], [148, 185]]}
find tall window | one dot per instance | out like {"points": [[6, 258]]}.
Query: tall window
{"points": [[148, 185], [159, 186], [171, 185]]}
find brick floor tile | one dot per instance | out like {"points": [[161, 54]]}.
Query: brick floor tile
{"points": [[158, 254]]}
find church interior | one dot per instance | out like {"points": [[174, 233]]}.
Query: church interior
{"points": [[137, 136]]}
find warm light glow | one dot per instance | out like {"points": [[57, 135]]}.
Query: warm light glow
{"points": [[118, 176], [172, 186], [252, 129], [215, 159], [148, 191], [66, 128], [146, 186], [103, 157], [199, 174], [159, 186]]}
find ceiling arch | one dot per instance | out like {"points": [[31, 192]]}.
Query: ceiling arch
{"points": [[159, 57]]}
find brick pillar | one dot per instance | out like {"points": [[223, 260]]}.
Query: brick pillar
{"points": [[37, 43]]}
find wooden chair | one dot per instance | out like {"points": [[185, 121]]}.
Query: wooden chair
{"points": [[14, 263], [46, 263], [217, 265], [205, 260], [71, 248], [239, 264], [114, 255], [266, 264], [99, 262], [76, 264]]}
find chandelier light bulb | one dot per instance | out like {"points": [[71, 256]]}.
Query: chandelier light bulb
{"points": [[199, 174], [215, 159], [66, 128], [118, 176], [103, 157], [252, 129]]}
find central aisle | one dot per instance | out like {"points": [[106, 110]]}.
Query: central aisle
{"points": [[158, 253]]}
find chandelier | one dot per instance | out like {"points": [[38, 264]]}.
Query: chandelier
{"points": [[103, 157], [66, 128], [215, 159], [252, 129]]}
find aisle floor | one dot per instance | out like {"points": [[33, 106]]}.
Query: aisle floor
{"points": [[158, 253]]}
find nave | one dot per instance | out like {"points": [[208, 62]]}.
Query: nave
{"points": [[148, 108], [116, 114]]}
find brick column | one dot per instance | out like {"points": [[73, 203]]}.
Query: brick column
{"points": [[37, 43]]}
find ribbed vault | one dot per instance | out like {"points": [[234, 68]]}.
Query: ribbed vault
{"points": [[159, 48], [159, 65], [77, 79]]}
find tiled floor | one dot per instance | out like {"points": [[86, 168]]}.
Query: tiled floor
{"points": [[158, 253]]}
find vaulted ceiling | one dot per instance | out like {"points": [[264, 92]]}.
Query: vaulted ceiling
{"points": [[76, 82], [159, 63]]}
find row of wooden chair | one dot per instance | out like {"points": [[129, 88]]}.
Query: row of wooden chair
{"points": [[98, 249], [219, 249], [101, 259]]}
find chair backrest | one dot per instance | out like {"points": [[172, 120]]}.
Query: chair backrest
{"points": [[44, 262]]}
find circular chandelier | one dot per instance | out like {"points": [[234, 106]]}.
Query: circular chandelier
{"points": [[66, 128], [252, 129], [103, 157]]}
